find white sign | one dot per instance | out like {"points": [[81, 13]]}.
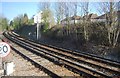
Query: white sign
{"points": [[4, 49], [37, 18], [9, 68]]}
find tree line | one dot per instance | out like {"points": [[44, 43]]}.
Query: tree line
{"points": [[16, 23], [110, 27]]}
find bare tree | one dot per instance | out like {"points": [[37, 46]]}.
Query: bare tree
{"points": [[59, 11], [75, 6], [44, 5], [68, 11], [112, 25], [86, 20]]}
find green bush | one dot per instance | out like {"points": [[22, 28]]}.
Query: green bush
{"points": [[45, 27]]}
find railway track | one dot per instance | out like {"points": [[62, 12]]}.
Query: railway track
{"points": [[43, 64], [76, 62]]}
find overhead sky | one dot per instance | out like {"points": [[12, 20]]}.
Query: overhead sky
{"points": [[12, 8], [56, 0]]}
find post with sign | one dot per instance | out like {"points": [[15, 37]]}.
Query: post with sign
{"points": [[4, 51], [37, 20]]}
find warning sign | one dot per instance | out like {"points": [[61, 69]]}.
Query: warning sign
{"points": [[4, 49]]}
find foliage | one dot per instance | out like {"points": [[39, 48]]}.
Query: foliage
{"points": [[45, 27], [47, 16], [3, 23], [19, 21], [30, 21]]}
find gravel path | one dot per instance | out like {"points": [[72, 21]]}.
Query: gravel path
{"points": [[25, 68], [61, 71]]}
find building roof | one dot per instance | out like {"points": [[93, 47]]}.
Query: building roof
{"points": [[103, 16], [72, 18], [91, 16], [76, 17]]}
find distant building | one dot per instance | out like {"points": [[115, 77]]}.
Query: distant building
{"points": [[72, 19], [91, 17], [78, 19], [102, 18]]}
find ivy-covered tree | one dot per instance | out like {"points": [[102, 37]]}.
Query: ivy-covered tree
{"points": [[47, 16], [11, 23], [25, 19]]}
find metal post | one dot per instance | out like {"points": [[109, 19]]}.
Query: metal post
{"points": [[40, 30], [0, 62], [37, 31], [38, 26]]}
